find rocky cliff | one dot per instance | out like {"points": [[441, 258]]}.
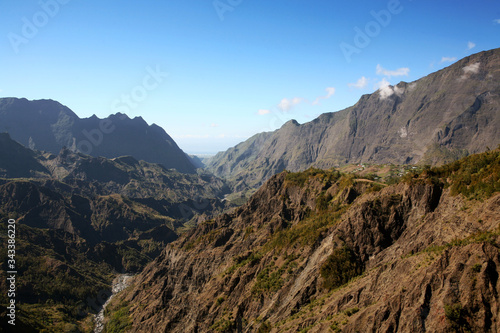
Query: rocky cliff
{"points": [[437, 119], [320, 250]]}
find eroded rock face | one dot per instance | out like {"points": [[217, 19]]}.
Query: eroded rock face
{"points": [[245, 270], [418, 302], [434, 120]]}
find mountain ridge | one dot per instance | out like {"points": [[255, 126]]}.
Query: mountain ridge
{"points": [[441, 117], [48, 125]]}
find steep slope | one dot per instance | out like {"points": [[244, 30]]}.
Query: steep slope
{"points": [[80, 220], [48, 125], [439, 118], [68, 248], [319, 250], [17, 161]]}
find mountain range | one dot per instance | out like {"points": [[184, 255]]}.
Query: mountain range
{"points": [[47, 125], [382, 217], [437, 119]]}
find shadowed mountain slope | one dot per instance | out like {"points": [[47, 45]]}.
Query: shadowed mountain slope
{"points": [[48, 125]]}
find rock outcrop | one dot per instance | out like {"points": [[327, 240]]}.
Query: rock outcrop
{"points": [[320, 250]]}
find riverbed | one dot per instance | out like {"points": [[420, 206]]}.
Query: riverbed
{"points": [[119, 283]]}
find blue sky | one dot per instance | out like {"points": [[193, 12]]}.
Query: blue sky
{"points": [[213, 73]]}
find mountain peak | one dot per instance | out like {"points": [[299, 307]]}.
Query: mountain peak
{"points": [[48, 125], [291, 122], [438, 118]]}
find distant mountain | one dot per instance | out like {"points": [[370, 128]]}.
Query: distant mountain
{"points": [[439, 118], [74, 173], [48, 125]]}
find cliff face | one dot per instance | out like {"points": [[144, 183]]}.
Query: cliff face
{"points": [[320, 250], [48, 125], [437, 119]]}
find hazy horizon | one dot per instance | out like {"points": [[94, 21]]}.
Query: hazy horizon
{"points": [[212, 74]]}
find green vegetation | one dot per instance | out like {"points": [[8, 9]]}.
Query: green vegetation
{"points": [[307, 231], [300, 178], [265, 327], [476, 238], [323, 201], [132, 259], [272, 278], [223, 325], [205, 239], [335, 327], [268, 281], [241, 261], [455, 314], [375, 187], [340, 267], [62, 281], [476, 268], [119, 321], [55, 281], [475, 177], [351, 311]]}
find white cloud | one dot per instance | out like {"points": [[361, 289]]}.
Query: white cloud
{"points": [[381, 84], [286, 104], [386, 90], [398, 91], [330, 91], [214, 125], [471, 45], [262, 112], [360, 84], [448, 59], [412, 86], [470, 69], [497, 21], [404, 71]]}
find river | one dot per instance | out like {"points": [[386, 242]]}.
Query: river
{"points": [[119, 283]]}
